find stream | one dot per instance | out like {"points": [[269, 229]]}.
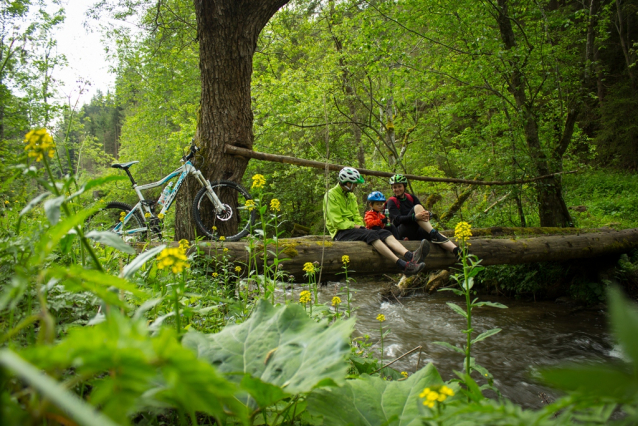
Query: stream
{"points": [[534, 334]]}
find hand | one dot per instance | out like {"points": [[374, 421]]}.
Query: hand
{"points": [[357, 226], [422, 215]]}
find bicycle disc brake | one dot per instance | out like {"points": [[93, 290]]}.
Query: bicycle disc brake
{"points": [[226, 214]]}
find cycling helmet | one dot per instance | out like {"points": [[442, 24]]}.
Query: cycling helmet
{"points": [[376, 196], [398, 179], [350, 175]]}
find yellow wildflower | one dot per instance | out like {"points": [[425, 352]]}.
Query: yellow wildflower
{"points": [[222, 238], [225, 250], [380, 317], [404, 374], [345, 259], [336, 300], [147, 215], [275, 205], [39, 143], [173, 258], [214, 228], [258, 181], [250, 205], [435, 394], [160, 216], [122, 216], [463, 231], [215, 274], [309, 268], [238, 269], [184, 245], [7, 202], [304, 297]]}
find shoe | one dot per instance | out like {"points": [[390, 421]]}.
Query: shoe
{"points": [[413, 268], [419, 254], [437, 238]]}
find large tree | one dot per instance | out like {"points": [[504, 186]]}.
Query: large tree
{"points": [[227, 31]]}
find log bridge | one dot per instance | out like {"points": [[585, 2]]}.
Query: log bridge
{"points": [[495, 246]]}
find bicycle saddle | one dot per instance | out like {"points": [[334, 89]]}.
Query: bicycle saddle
{"points": [[124, 166]]}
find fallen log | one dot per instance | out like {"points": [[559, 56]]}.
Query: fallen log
{"points": [[364, 260]]}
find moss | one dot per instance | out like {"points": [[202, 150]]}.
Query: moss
{"points": [[289, 249], [326, 243]]}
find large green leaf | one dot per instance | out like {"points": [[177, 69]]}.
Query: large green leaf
{"points": [[601, 380], [110, 239], [624, 322], [370, 401], [279, 345], [73, 406]]}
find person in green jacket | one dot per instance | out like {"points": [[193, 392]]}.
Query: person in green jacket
{"points": [[344, 222]]}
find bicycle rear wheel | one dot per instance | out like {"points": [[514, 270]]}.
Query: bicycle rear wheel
{"points": [[107, 219], [235, 223]]}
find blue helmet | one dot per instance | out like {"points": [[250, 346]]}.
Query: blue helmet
{"points": [[376, 196]]}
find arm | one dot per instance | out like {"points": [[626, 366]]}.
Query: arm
{"points": [[335, 214], [354, 210], [395, 215]]}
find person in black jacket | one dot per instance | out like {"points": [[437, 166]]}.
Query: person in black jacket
{"points": [[411, 218]]}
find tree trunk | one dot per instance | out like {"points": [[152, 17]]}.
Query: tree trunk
{"points": [[551, 206], [494, 251], [227, 32]]}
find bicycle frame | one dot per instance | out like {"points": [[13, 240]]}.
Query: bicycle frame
{"points": [[183, 171]]}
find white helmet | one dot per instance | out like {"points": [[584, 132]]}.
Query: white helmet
{"points": [[350, 175]]}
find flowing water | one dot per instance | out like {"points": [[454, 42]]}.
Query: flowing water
{"points": [[534, 334]]}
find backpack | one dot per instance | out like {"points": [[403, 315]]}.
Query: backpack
{"points": [[396, 201]]}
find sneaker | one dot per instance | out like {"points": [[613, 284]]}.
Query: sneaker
{"points": [[413, 268], [437, 238], [419, 254]]}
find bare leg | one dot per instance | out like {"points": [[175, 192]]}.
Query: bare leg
{"points": [[427, 226], [384, 250], [396, 246]]}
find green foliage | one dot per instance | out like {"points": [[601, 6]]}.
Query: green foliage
{"points": [[374, 401], [281, 346]]}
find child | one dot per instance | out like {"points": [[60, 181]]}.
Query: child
{"points": [[374, 218]]}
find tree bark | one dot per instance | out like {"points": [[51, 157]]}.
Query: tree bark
{"points": [[494, 251], [227, 32]]}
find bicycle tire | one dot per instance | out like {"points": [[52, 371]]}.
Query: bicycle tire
{"points": [[109, 216], [237, 225]]}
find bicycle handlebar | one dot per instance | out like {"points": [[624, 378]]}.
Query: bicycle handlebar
{"points": [[191, 154]]}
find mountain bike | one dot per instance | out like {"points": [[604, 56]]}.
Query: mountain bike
{"points": [[219, 208]]}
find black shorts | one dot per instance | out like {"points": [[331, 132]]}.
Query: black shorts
{"points": [[393, 229], [362, 234]]}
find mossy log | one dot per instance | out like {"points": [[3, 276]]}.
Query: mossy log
{"points": [[364, 260]]}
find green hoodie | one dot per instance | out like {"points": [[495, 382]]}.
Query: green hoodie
{"points": [[340, 210]]}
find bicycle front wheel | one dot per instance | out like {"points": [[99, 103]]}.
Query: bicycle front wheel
{"points": [[111, 215], [235, 222]]}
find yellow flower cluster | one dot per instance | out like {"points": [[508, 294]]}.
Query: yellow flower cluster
{"points": [[404, 374], [7, 202], [238, 269], [345, 259], [336, 300], [258, 181], [122, 216], [160, 216], [184, 245], [215, 274], [380, 317], [147, 215], [250, 205], [463, 231], [175, 258], [275, 205], [39, 143], [309, 268], [222, 238], [304, 297], [434, 394]]}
